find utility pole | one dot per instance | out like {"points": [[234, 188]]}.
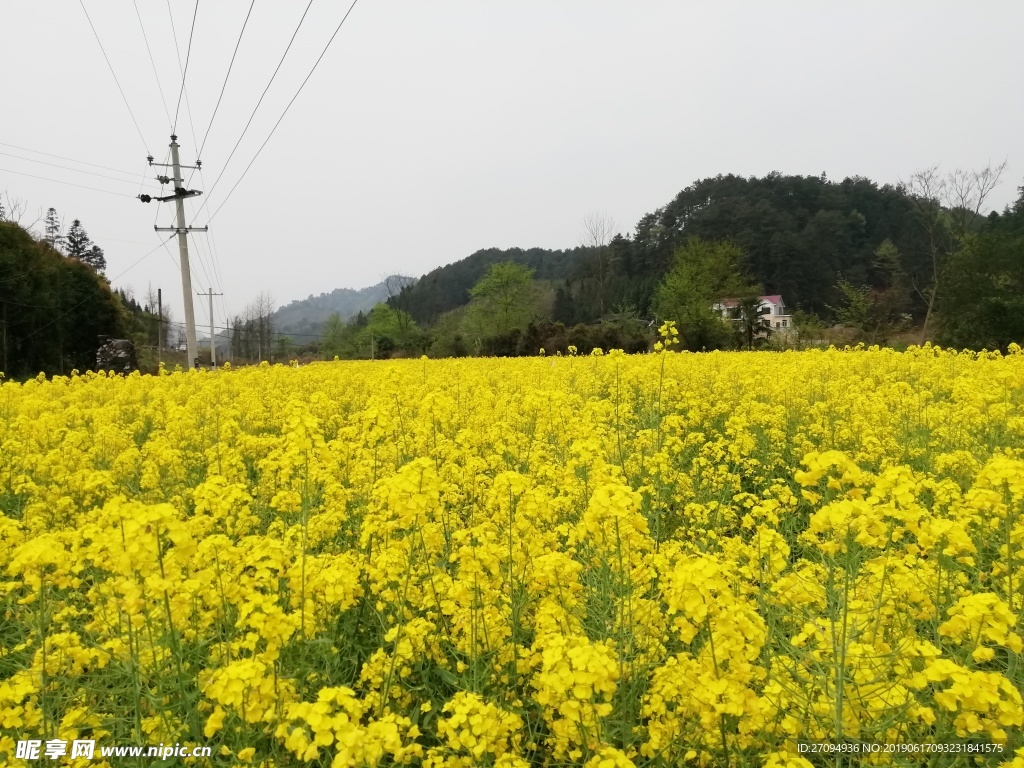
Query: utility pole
{"points": [[180, 193], [159, 325], [213, 338]]}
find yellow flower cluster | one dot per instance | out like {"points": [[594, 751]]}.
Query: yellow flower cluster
{"points": [[597, 561]]}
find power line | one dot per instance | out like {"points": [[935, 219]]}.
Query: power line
{"points": [[270, 333], [225, 85], [216, 266], [249, 122], [69, 159], [66, 168], [188, 54], [303, 85], [101, 238], [163, 99], [68, 183], [183, 68], [111, 66], [202, 263], [169, 254]]}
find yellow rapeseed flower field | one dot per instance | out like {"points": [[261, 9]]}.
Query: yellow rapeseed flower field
{"points": [[657, 560]]}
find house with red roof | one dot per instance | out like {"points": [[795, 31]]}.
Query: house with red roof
{"points": [[771, 309]]}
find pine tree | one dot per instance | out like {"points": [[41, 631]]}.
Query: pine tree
{"points": [[95, 259], [52, 227], [78, 245], [76, 241]]}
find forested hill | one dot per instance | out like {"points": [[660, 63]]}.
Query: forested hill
{"points": [[447, 287], [54, 305], [799, 234], [308, 315]]}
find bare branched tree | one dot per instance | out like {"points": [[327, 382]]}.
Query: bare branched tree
{"points": [[397, 289], [153, 306], [598, 231], [967, 193], [253, 332], [947, 205], [13, 209], [263, 307]]}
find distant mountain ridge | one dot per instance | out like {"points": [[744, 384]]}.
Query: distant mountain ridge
{"points": [[307, 316]]}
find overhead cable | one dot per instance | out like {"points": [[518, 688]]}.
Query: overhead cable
{"points": [[188, 53], [251, 116], [163, 99], [68, 183], [303, 85], [225, 84], [118, 82], [69, 159], [67, 168]]}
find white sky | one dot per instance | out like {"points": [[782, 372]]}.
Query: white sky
{"points": [[433, 129]]}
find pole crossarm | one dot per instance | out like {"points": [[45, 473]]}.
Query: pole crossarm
{"points": [[197, 166], [181, 231], [179, 194]]}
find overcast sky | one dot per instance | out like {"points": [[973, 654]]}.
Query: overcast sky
{"points": [[434, 128]]}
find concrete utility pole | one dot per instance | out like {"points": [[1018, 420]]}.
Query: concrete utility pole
{"points": [[213, 337], [159, 325], [180, 193]]}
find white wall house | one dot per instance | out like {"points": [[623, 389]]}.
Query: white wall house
{"points": [[771, 309]]}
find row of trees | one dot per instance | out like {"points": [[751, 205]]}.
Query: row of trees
{"points": [[252, 334], [957, 278], [54, 300], [801, 237]]}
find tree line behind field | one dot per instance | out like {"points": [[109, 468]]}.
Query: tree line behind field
{"points": [[854, 261], [55, 301], [880, 263]]}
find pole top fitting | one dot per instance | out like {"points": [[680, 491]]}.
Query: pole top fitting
{"points": [[173, 137]]}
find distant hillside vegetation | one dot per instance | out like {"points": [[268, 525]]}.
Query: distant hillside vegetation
{"points": [[447, 287], [307, 316], [799, 235], [869, 257]]}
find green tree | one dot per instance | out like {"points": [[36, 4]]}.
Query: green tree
{"points": [[397, 288], [447, 335], [53, 229], [78, 245], [808, 330], [877, 313], [502, 300], [948, 208], [982, 304], [599, 230], [703, 273], [751, 324], [52, 309], [333, 336], [387, 330], [283, 347], [76, 241]]}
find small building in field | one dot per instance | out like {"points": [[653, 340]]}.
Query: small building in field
{"points": [[771, 309]]}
